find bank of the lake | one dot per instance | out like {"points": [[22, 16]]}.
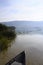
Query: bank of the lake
{"points": [[7, 34]]}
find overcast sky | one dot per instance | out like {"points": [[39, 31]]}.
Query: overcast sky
{"points": [[31, 10]]}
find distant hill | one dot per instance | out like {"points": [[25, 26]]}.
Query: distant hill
{"points": [[24, 23], [26, 26]]}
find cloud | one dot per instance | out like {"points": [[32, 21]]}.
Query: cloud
{"points": [[21, 10]]}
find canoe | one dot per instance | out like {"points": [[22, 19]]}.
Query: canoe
{"points": [[20, 58]]}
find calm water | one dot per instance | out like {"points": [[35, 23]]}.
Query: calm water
{"points": [[33, 46]]}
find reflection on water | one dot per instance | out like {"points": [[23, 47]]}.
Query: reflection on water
{"points": [[5, 43], [33, 46]]}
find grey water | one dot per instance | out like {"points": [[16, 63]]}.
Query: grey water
{"points": [[32, 44], [29, 39], [26, 27]]}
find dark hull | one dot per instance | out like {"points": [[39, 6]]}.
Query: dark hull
{"points": [[20, 58]]}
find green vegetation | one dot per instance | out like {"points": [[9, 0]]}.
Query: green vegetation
{"points": [[7, 34]]}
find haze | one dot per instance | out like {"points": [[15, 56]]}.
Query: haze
{"points": [[11, 10]]}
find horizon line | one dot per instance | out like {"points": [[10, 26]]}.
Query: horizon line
{"points": [[22, 20]]}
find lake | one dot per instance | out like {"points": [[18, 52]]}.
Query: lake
{"points": [[32, 44]]}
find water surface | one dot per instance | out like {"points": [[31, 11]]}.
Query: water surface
{"points": [[32, 44]]}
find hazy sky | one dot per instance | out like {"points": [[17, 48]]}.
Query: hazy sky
{"points": [[31, 10]]}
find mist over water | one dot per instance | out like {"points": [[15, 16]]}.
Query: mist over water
{"points": [[27, 27], [29, 38]]}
